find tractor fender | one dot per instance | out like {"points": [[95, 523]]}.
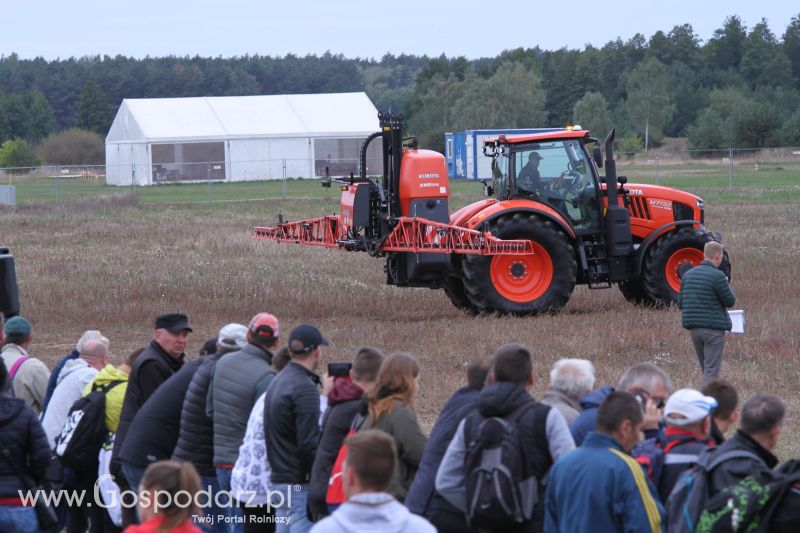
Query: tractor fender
{"points": [[658, 232], [498, 209]]}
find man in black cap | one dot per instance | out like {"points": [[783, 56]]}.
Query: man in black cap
{"points": [[291, 426], [528, 178], [153, 367]]}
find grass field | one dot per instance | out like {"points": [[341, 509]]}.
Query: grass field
{"points": [[115, 261], [774, 181]]}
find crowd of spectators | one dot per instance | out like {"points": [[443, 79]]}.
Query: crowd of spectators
{"points": [[272, 442]]}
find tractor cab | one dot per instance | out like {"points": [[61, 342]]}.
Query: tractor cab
{"points": [[555, 170]]}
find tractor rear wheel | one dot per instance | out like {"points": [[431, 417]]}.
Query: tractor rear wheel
{"points": [[522, 284], [666, 260]]}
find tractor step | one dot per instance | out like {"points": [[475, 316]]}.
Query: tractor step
{"points": [[594, 262]]}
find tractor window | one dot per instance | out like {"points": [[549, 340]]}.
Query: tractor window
{"points": [[500, 175], [559, 174]]}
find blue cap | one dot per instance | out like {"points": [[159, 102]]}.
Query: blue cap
{"points": [[17, 327]]}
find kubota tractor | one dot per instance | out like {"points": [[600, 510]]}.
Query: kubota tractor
{"points": [[550, 222]]}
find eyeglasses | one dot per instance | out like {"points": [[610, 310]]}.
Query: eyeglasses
{"points": [[643, 396]]}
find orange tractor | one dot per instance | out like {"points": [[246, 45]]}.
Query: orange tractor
{"points": [[550, 221]]}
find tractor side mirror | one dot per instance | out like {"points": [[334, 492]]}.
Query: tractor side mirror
{"points": [[622, 180], [597, 154]]}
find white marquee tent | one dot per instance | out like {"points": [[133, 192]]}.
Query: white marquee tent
{"points": [[238, 138]]}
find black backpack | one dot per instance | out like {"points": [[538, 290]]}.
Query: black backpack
{"points": [[501, 491], [691, 493], [751, 504], [84, 430]]}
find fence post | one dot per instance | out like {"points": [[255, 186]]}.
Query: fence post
{"points": [[284, 179], [658, 171], [58, 187], [730, 169], [208, 180]]}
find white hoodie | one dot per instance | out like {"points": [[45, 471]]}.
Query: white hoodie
{"points": [[373, 511]]}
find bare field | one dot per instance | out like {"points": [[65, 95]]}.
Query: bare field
{"points": [[113, 264]]}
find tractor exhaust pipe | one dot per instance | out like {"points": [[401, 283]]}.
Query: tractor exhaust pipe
{"points": [[619, 239], [611, 169]]}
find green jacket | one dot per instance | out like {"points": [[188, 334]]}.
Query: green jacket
{"points": [[705, 295], [401, 423]]}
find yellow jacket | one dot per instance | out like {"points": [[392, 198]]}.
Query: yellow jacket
{"points": [[115, 396]]}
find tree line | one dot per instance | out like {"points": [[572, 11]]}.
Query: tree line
{"points": [[740, 88]]}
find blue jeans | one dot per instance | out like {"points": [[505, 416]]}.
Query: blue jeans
{"points": [[211, 511], [289, 502], [133, 474], [14, 518], [234, 512]]}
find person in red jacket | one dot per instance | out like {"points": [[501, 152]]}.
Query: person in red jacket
{"points": [[164, 503]]}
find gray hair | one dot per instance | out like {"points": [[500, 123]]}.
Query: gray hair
{"points": [[572, 377], [91, 335], [644, 376]]}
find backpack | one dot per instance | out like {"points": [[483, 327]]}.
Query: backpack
{"points": [[335, 494], [84, 430], [691, 493], [501, 492], [751, 504], [653, 457]]}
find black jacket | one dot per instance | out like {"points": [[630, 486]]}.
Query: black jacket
{"points": [[152, 368], [681, 452], [460, 404], [196, 436], [23, 436], [154, 430], [734, 470], [335, 427], [291, 424]]}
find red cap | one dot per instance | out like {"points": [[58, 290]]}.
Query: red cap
{"points": [[263, 326]]}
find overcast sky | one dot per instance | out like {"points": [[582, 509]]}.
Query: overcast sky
{"points": [[65, 28]]}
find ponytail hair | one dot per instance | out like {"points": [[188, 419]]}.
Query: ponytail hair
{"points": [[181, 483]]}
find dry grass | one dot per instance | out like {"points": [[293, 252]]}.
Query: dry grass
{"points": [[113, 265]]}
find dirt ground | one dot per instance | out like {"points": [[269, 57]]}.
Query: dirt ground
{"points": [[113, 265]]}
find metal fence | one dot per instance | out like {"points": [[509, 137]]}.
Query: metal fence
{"points": [[291, 178]]}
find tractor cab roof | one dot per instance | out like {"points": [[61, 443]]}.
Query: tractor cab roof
{"points": [[568, 133]]}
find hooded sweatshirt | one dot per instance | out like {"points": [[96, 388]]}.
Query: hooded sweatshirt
{"points": [[373, 511], [114, 397], [73, 378]]}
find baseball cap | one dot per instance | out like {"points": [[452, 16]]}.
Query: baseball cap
{"points": [[692, 405], [534, 155], [232, 336], [17, 327], [209, 347], [263, 327], [174, 322], [305, 338]]}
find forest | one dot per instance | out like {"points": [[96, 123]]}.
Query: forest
{"points": [[739, 88]]}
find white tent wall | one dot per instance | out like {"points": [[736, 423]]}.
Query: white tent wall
{"points": [[263, 159], [128, 164]]}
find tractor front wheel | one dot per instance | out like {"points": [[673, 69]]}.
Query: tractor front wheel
{"points": [[522, 284], [667, 260]]}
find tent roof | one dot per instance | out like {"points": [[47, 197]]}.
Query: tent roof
{"points": [[225, 117]]}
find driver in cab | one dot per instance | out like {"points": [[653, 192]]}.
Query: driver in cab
{"points": [[528, 177]]}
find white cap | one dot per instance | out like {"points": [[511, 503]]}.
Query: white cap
{"points": [[232, 336], [691, 406]]}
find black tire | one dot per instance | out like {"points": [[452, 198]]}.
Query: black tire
{"points": [[454, 288], [634, 291], [655, 274], [480, 287]]}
